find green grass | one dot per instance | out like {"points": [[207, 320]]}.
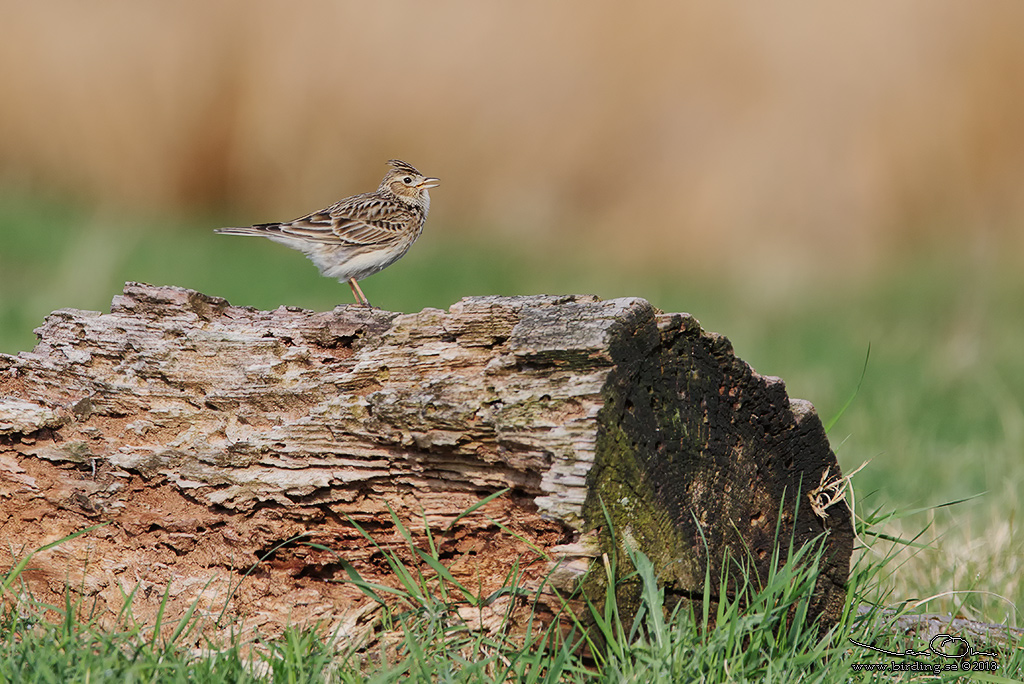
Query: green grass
{"points": [[424, 632], [940, 413]]}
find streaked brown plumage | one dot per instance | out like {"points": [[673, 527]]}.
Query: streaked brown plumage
{"points": [[359, 235]]}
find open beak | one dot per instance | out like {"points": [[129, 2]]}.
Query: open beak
{"points": [[428, 183]]}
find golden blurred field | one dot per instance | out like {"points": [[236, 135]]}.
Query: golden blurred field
{"points": [[778, 141]]}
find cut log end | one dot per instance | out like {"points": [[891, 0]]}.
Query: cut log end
{"points": [[215, 438]]}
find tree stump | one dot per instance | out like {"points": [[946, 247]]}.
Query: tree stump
{"points": [[227, 447]]}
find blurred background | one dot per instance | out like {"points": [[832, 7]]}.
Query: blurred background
{"points": [[806, 178]]}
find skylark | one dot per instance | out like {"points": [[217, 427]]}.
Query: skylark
{"points": [[359, 235]]}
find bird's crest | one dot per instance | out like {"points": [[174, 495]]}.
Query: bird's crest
{"points": [[403, 166]]}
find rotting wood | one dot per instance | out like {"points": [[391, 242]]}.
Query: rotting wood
{"points": [[210, 435]]}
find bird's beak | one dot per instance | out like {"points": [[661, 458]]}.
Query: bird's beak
{"points": [[428, 183]]}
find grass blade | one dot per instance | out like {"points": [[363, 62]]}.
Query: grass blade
{"points": [[834, 419]]}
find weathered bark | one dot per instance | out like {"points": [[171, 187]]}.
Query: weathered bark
{"points": [[209, 435]]}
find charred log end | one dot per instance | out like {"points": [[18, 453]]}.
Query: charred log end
{"points": [[700, 461]]}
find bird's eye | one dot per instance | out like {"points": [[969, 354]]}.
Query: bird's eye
{"points": [[407, 180]]}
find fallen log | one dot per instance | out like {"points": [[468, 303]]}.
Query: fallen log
{"points": [[231, 452]]}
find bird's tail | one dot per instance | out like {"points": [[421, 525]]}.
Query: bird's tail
{"points": [[260, 230]]}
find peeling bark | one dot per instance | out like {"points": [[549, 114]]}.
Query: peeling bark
{"points": [[209, 435]]}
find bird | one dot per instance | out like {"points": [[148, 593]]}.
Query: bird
{"points": [[360, 235]]}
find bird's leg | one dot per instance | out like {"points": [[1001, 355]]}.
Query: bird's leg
{"points": [[358, 293]]}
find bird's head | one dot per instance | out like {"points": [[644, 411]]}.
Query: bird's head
{"points": [[408, 184]]}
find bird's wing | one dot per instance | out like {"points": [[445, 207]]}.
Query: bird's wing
{"points": [[370, 221]]}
